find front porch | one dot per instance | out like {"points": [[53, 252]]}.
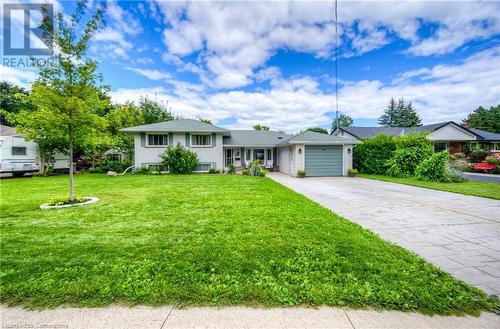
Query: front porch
{"points": [[240, 157]]}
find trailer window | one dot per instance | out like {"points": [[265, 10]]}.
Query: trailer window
{"points": [[18, 150]]}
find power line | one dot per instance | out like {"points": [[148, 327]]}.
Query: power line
{"points": [[336, 67]]}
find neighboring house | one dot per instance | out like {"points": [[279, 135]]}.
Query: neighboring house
{"points": [[445, 135], [18, 156], [218, 148]]}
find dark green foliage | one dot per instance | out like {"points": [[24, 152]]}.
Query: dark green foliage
{"points": [[318, 130], [179, 160], [231, 169], [372, 156], [410, 151], [433, 168], [485, 119], [478, 156], [206, 240], [112, 165], [343, 120], [153, 111], [400, 115], [260, 127], [13, 100]]}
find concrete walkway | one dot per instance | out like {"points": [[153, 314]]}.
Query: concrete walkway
{"points": [[458, 233], [166, 317]]}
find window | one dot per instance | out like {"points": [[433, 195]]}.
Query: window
{"points": [[248, 157], [259, 155], [269, 154], [157, 140], [203, 167], [201, 140], [18, 150]]}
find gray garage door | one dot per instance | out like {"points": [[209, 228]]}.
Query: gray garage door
{"points": [[323, 160]]}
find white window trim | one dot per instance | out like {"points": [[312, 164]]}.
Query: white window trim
{"points": [[200, 146], [155, 146]]}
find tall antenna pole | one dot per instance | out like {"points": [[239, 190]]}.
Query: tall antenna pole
{"points": [[336, 68]]}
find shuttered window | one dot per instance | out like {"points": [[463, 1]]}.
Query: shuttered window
{"points": [[201, 140], [157, 140]]}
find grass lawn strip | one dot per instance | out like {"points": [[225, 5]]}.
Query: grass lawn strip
{"points": [[481, 189], [205, 240]]}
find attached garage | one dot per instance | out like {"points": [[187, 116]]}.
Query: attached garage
{"points": [[323, 160], [316, 155]]}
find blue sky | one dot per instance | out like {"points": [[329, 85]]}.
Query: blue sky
{"points": [[241, 63]]}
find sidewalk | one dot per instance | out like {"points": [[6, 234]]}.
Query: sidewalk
{"points": [[142, 317]]}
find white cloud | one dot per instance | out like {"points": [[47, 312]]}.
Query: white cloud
{"points": [[236, 39], [439, 93], [21, 78], [151, 74], [112, 41]]}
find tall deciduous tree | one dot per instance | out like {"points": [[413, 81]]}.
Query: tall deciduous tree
{"points": [[13, 100], [343, 120], [69, 92], [485, 119], [260, 127], [400, 114], [154, 111]]}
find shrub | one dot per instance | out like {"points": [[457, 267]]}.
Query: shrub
{"points": [[372, 156], [478, 156], [245, 172], [179, 160], [411, 150], [255, 168], [352, 171], [452, 176], [231, 169], [213, 171], [264, 172], [433, 168], [493, 160]]}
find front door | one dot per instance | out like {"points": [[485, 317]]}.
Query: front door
{"points": [[228, 157]]}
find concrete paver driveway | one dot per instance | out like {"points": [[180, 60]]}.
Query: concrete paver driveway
{"points": [[458, 233]]}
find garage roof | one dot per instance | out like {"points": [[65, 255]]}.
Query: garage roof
{"points": [[312, 137]]}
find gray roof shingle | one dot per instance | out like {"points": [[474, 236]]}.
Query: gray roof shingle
{"points": [[7, 131], [370, 132], [486, 135], [255, 138], [315, 137], [181, 125]]}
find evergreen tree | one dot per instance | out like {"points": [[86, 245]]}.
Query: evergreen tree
{"points": [[485, 119], [400, 114], [343, 120]]}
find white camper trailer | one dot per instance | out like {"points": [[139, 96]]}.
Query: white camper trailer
{"points": [[18, 156]]}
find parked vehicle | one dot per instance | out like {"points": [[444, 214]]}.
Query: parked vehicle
{"points": [[18, 156]]}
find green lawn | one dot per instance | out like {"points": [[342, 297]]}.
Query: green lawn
{"points": [[482, 189], [205, 240]]}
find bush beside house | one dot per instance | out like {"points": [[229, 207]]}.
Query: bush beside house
{"points": [[402, 156], [179, 160]]}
